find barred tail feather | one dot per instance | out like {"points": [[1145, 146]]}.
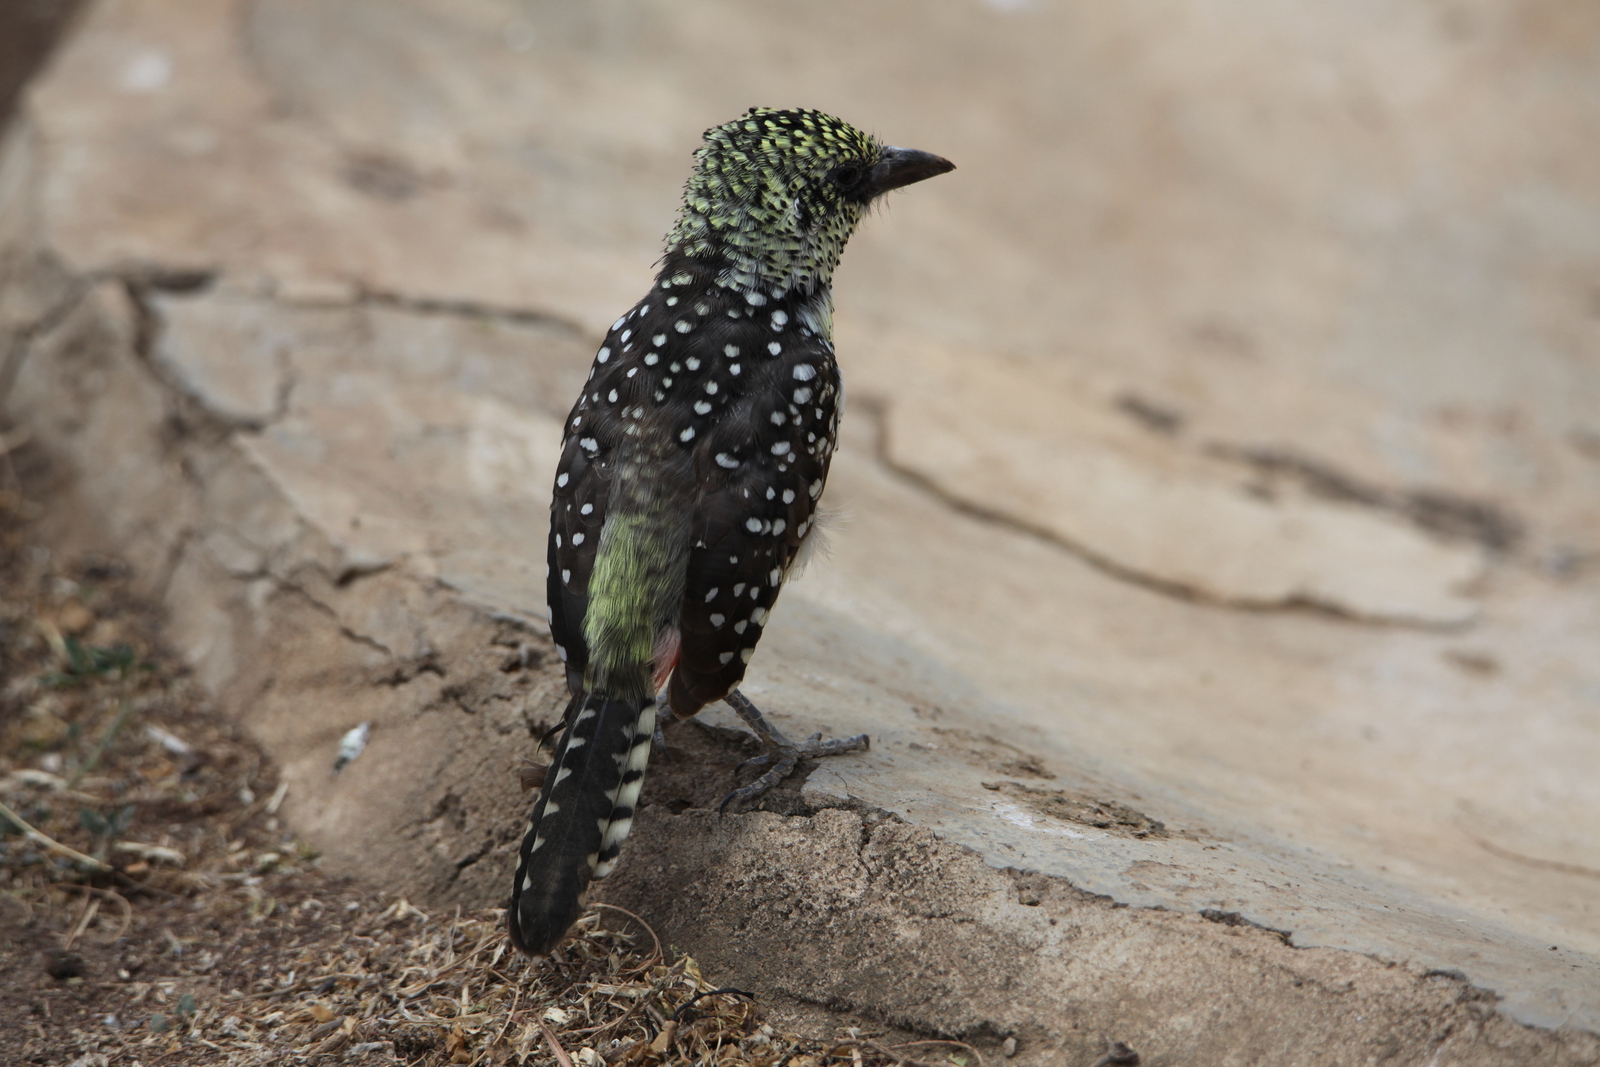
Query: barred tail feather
{"points": [[583, 814]]}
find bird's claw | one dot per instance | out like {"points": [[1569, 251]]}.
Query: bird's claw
{"points": [[782, 759], [777, 753]]}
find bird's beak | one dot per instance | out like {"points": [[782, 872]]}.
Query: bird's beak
{"points": [[902, 166]]}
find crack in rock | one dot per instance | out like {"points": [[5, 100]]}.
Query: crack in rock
{"points": [[468, 309], [1447, 514], [1224, 558]]}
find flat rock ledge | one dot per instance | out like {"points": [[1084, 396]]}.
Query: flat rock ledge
{"points": [[308, 613]]}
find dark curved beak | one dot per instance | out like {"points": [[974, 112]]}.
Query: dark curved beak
{"points": [[902, 166]]}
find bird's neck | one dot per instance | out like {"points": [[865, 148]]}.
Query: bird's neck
{"points": [[753, 286], [761, 249]]}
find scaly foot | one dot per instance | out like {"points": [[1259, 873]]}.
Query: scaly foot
{"points": [[782, 754], [663, 711]]}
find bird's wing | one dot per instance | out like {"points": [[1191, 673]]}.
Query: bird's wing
{"points": [[761, 470], [591, 438], [738, 420], [628, 448]]}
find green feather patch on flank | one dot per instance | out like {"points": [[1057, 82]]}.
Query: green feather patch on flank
{"points": [[636, 579]]}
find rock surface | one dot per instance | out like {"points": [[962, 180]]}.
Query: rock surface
{"points": [[1222, 468]]}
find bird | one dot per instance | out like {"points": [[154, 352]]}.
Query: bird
{"points": [[690, 471]]}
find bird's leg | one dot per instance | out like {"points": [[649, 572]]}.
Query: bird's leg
{"points": [[662, 710], [669, 641], [781, 753]]}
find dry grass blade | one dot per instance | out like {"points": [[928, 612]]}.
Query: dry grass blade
{"points": [[656, 941], [976, 1055], [92, 899], [555, 1046], [44, 841], [91, 905]]}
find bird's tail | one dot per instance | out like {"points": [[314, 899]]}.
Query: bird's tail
{"points": [[583, 814]]}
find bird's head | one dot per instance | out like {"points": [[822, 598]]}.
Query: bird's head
{"points": [[776, 194]]}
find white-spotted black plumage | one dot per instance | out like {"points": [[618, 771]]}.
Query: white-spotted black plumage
{"points": [[690, 472]]}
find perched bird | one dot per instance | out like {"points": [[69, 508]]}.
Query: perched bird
{"points": [[690, 471]]}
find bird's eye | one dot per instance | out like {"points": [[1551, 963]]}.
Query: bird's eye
{"points": [[847, 175]]}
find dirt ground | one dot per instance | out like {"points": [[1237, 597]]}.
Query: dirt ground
{"points": [[153, 910]]}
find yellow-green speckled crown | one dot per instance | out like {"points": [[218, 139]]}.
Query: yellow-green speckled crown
{"points": [[775, 195]]}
